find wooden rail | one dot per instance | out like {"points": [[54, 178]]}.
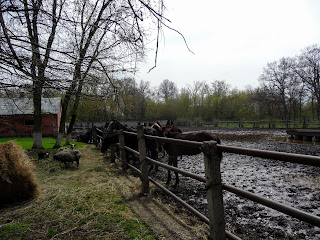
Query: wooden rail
{"points": [[279, 124], [213, 181]]}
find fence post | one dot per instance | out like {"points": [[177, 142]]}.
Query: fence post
{"points": [[143, 160], [112, 153], [214, 190], [123, 155], [94, 136]]}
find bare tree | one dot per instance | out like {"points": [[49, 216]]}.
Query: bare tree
{"points": [[220, 88], [280, 82], [46, 45], [109, 37], [28, 30], [167, 90], [308, 70]]}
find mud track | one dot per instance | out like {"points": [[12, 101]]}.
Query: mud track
{"points": [[291, 184]]}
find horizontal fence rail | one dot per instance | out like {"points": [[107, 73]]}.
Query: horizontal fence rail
{"points": [[293, 212], [281, 156], [271, 124], [286, 157], [229, 235]]}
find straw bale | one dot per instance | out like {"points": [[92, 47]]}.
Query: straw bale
{"points": [[17, 182]]}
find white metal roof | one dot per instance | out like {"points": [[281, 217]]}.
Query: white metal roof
{"points": [[18, 106]]}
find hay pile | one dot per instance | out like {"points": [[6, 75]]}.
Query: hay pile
{"points": [[17, 182]]}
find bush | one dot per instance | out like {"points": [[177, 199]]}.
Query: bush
{"points": [[17, 182]]}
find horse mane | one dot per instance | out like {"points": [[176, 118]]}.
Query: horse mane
{"points": [[115, 125]]}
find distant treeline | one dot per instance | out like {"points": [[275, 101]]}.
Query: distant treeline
{"points": [[289, 90]]}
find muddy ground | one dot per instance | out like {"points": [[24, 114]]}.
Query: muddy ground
{"points": [[291, 184]]}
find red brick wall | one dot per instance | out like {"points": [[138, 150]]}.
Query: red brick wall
{"points": [[11, 126]]}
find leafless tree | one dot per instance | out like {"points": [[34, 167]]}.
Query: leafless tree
{"points": [[50, 44], [167, 90], [108, 37], [28, 31], [308, 70], [220, 88], [281, 85]]}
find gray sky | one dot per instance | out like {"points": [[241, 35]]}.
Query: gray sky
{"points": [[232, 40]]}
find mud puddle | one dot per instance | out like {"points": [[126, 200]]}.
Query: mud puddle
{"points": [[291, 184]]}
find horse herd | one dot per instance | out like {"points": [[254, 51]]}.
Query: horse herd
{"points": [[155, 147]]}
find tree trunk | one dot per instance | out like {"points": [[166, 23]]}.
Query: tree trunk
{"points": [[37, 116], [75, 107], [68, 139], [59, 139], [63, 119], [70, 127], [37, 140]]}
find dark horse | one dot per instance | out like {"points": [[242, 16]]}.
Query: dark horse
{"points": [[130, 140], [161, 131], [175, 150], [112, 137]]}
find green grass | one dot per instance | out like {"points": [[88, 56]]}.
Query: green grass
{"points": [[27, 142], [76, 203]]}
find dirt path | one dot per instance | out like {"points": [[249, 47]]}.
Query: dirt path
{"points": [[95, 201], [166, 220], [161, 219]]}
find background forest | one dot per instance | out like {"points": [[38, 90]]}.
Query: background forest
{"points": [[289, 89], [88, 52]]}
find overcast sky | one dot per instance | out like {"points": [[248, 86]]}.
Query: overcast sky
{"points": [[232, 40]]}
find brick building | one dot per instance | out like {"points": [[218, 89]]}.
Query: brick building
{"points": [[16, 116]]}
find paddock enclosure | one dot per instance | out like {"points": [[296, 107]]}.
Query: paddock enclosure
{"points": [[252, 196]]}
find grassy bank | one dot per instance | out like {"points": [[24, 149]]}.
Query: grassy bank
{"points": [[26, 143], [75, 203]]}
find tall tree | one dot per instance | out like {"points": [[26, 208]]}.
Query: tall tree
{"points": [[280, 82], [308, 70], [167, 90], [109, 37], [28, 30]]}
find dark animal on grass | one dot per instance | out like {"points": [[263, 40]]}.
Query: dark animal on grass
{"points": [[42, 155], [86, 138], [175, 150], [161, 132], [113, 138], [66, 155], [130, 140]]}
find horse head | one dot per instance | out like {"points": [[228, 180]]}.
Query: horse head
{"points": [[115, 125]]}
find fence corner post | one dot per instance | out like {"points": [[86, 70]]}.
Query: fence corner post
{"points": [[143, 160], [123, 155], [214, 190]]}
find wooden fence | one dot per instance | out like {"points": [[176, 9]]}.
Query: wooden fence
{"points": [[212, 179], [272, 124]]}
